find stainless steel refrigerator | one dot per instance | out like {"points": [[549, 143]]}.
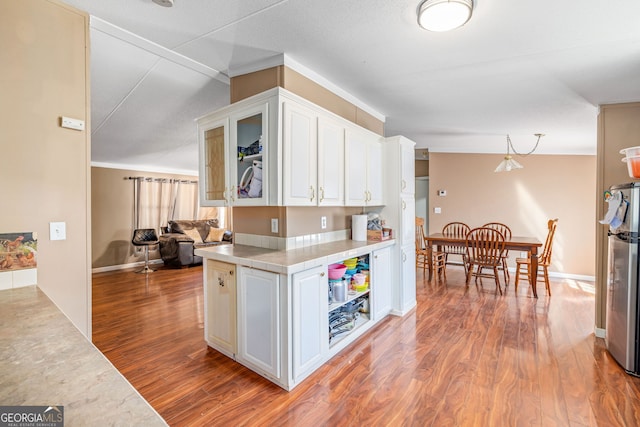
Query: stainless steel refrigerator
{"points": [[623, 326]]}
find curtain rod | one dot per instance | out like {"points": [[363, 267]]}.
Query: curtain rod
{"points": [[170, 180]]}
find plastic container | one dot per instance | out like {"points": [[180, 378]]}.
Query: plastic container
{"points": [[336, 271], [633, 166], [631, 151], [361, 288], [359, 279]]}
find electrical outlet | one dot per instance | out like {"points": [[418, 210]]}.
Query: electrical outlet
{"points": [[437, 210], [57, 231], [274, 225], [323, 222]]}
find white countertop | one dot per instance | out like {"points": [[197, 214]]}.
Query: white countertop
{"points": [[293, 260]]}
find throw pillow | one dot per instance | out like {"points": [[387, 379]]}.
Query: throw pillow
{"points": [[215, 235], [193, 233]]}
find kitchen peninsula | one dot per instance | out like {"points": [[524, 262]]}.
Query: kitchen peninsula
{"points": [[269, 309]]}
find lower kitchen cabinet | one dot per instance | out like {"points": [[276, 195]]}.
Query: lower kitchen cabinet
{"points": [[310, 326], [220, 306], [259, 321], [381, 283]]}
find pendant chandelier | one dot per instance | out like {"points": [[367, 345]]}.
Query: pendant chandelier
{"points": [[509, 163], [444, 15]]}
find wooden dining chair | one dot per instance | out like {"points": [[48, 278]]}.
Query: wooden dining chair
{"points": [[506, 232], [456, 230], [544, 260], [485, 247], [426, 257]]}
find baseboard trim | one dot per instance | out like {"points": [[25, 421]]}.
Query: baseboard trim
{"points": [[124, 266]]}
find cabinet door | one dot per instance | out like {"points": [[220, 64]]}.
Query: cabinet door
{"points": [[299, 139], [259, 321], [381, 284], [356, 192], [330, 163], [407, 283], [310, 324], [213, 136], [375, 172], [249, 145], [408, 220], [407, 168], [220, 306]]}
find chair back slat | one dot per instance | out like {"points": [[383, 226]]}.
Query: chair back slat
{"points": [[502, 228], [457, 230], [545, 256], [485, 246]]}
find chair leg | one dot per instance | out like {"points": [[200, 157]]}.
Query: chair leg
{"points": [[496, 276], [546, 280]]}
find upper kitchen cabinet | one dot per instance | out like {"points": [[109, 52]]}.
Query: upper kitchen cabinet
{"points": [[363, 168], [278, 149], [236, 155], [313, 150]]}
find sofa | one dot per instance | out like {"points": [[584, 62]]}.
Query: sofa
{"points": [[181, 237]]}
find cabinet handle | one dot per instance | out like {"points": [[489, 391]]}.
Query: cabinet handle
{"points": [[404, 184], [313, 193], [322, 274], [404, 205], [231, 273], [224, 194], [233, 190], [321, 193], [404, 257]]}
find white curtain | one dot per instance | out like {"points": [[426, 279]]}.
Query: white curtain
{"points": [[157, 201]]}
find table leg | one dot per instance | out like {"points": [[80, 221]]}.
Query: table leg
{"points": [[533, 278]]}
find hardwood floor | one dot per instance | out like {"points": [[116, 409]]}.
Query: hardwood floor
{"points": [[463, 357]]}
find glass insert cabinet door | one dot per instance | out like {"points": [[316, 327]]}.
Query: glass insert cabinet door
{"points": [[249, 148], [214, 165]]}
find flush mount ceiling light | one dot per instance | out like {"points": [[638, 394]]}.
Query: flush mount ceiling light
{"points": [[165, 3], [444, 15], [509, 163]]}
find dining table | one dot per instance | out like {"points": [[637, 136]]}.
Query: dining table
{"points": [[515, 243]]}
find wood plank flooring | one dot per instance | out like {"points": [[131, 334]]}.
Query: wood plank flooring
{"points": [[463, 357]]}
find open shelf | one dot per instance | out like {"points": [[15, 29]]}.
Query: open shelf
{"points": [[361, 320], [350, 297]]}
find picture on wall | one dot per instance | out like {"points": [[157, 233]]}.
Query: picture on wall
{"points": [[18, 251]]}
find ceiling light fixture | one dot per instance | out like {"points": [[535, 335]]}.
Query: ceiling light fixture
{"points": [[444, 15], [165, 3], [509, 163]]}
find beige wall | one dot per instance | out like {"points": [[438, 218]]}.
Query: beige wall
{"points": [[293, 221], [112, 216], [618, 128], [246, 85], [548, 187], [44, 168]]}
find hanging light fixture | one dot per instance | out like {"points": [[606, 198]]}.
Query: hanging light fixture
{"points": [[444, 15], [165, 3], [509, 163]]}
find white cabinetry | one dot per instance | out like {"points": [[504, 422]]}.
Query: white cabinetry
{"points": [[276, 148], [381, 283], [399, 212], [259, 335], [220, 306], [299, 145], [331, 165], [237, 148], [310, 325], [363, 168]]}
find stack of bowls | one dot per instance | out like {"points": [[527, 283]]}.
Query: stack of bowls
{"points": [[351, 264]]}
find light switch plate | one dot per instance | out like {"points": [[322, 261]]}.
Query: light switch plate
{"points": [[323, 222], [274, 225], [69, 123], [437, 210], [57, 231]]}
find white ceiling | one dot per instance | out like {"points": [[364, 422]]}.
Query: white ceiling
{"points": [[517, 67]]}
